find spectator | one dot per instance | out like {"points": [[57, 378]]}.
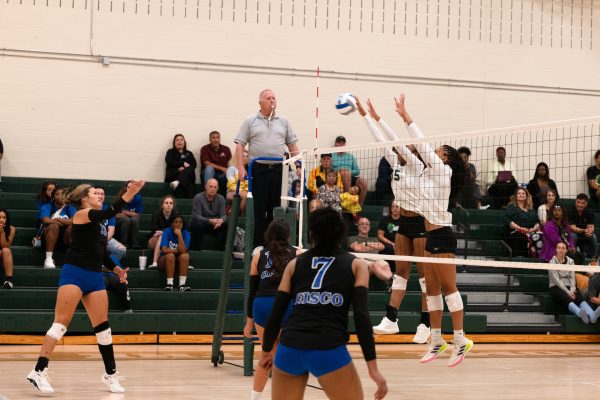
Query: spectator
{"points": [[44, 196], [593, 178], [208, 214], [351, 203], [475, 198], [388, 227], [562, 284], [214, 160], [267, 135], [116, 250], [556, 230], [7, 235], [363, 243], [128, 220], [328, 194], [161, 219], [57, 217], [593, 296], [295, 190], [540, 184], [543, 210], [383, 185], [294, 171], [346, 165], [232, 179], [181, 167], [120, 289], [521, 221], [318, 175], [174, 250], [500, 179], [581, 221]]}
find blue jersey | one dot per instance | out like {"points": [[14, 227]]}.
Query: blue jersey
{"points": [[49, 209], [171, 241]]}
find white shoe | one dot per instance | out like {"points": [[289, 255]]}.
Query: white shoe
{"points": [[386, 327], [173, 185], [434, 350], [49, 263], [154, 265], [459, 352], [112, 382], [422, 334], [40, 380], [190, 267]]}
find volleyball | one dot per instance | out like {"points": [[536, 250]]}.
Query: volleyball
{"points": [[345, 103]]}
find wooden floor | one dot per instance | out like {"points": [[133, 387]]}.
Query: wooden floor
{"points": [[491, 371]]}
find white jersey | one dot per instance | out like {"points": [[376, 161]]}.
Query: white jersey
{"points": [[435, 184]]}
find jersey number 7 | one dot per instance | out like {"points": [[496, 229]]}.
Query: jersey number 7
{"points": [[322, 264]]}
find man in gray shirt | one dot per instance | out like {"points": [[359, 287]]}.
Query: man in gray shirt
{"points": [[267, 135], [208, 214]]}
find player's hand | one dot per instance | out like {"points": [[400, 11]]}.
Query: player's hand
{"points": [[248, 328], [372, 111], [379, 380], [121, 273], [359, 107], [266, 360]]}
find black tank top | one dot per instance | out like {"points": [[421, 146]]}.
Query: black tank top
{"points": [[88, 246], [268, 283], [322, 293]]}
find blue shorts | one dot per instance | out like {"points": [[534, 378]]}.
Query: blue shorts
{"points": [[318, 362], [88, 281], [261, 309]]}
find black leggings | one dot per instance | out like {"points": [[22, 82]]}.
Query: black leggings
{"points": [[561, 297]]}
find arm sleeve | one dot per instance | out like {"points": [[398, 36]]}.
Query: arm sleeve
{"points": [[100, 215], [254, 282], [274, 323], [108, 262], [390, 156], [362, 322]]}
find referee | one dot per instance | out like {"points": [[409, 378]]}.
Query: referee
{"points": [[267, 135]]}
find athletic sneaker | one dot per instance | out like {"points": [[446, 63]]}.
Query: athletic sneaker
{"points": [[386, 327], [153, 266], [422, 334], [112, 382], [185, 289], [40, 380], [434, 350], [49, 263], [459, 352], [8, 285], [169, 288], [173, 185]]}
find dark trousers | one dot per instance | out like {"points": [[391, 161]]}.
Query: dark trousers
{"points": [[266, 192], [112, 283], [128, 230], [501, 192], [187, 181], [518, 243], [202, 228], [563, 298]]}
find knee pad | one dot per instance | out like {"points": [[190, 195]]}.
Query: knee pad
{"points": [[399, 283], [435, 303], [454, 302], [57, 331], [103, 334], [423, 286]]}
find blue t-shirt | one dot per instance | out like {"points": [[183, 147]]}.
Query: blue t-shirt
{"points": [[49, 209], [135, 205], [107, 222], [170, 240]]}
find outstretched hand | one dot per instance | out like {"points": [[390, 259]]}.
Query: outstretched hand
{"points": [[372, 111], [359, 107]]}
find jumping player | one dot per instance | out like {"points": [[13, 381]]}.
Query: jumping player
{"points": [[323, 282], [81, 280]]}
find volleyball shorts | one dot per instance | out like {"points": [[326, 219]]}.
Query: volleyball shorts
{"points": [[296, 361], [412, 227], [441, 241], [88, 281], [261, 309]]}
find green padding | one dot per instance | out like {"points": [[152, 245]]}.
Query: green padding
{"points": [[573, 324]]}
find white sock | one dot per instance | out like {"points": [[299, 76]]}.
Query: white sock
{"points": [[170, 281], [459, 336], [255, 395], [49, 254], [436, 334], [182, 280]]}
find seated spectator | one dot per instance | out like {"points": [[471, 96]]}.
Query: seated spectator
{"points": [[351, 203], [208, 214], [388, 226], [44, 196], [113, 283], [328, 194], [295, 190], [593, 296], [181, 167], [593, 180], [161, 220], [521, 221], [362, 242], [232, 179], [116, 250], [501, 180], [562, 284], [581, 221], [346, 165], [214, 160], [539, 185], [57, 217], [473, 200], [318, 175], [174, 250], [128, 220], [383, 185], [550, 199], [7, 235], [556, 230]]}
